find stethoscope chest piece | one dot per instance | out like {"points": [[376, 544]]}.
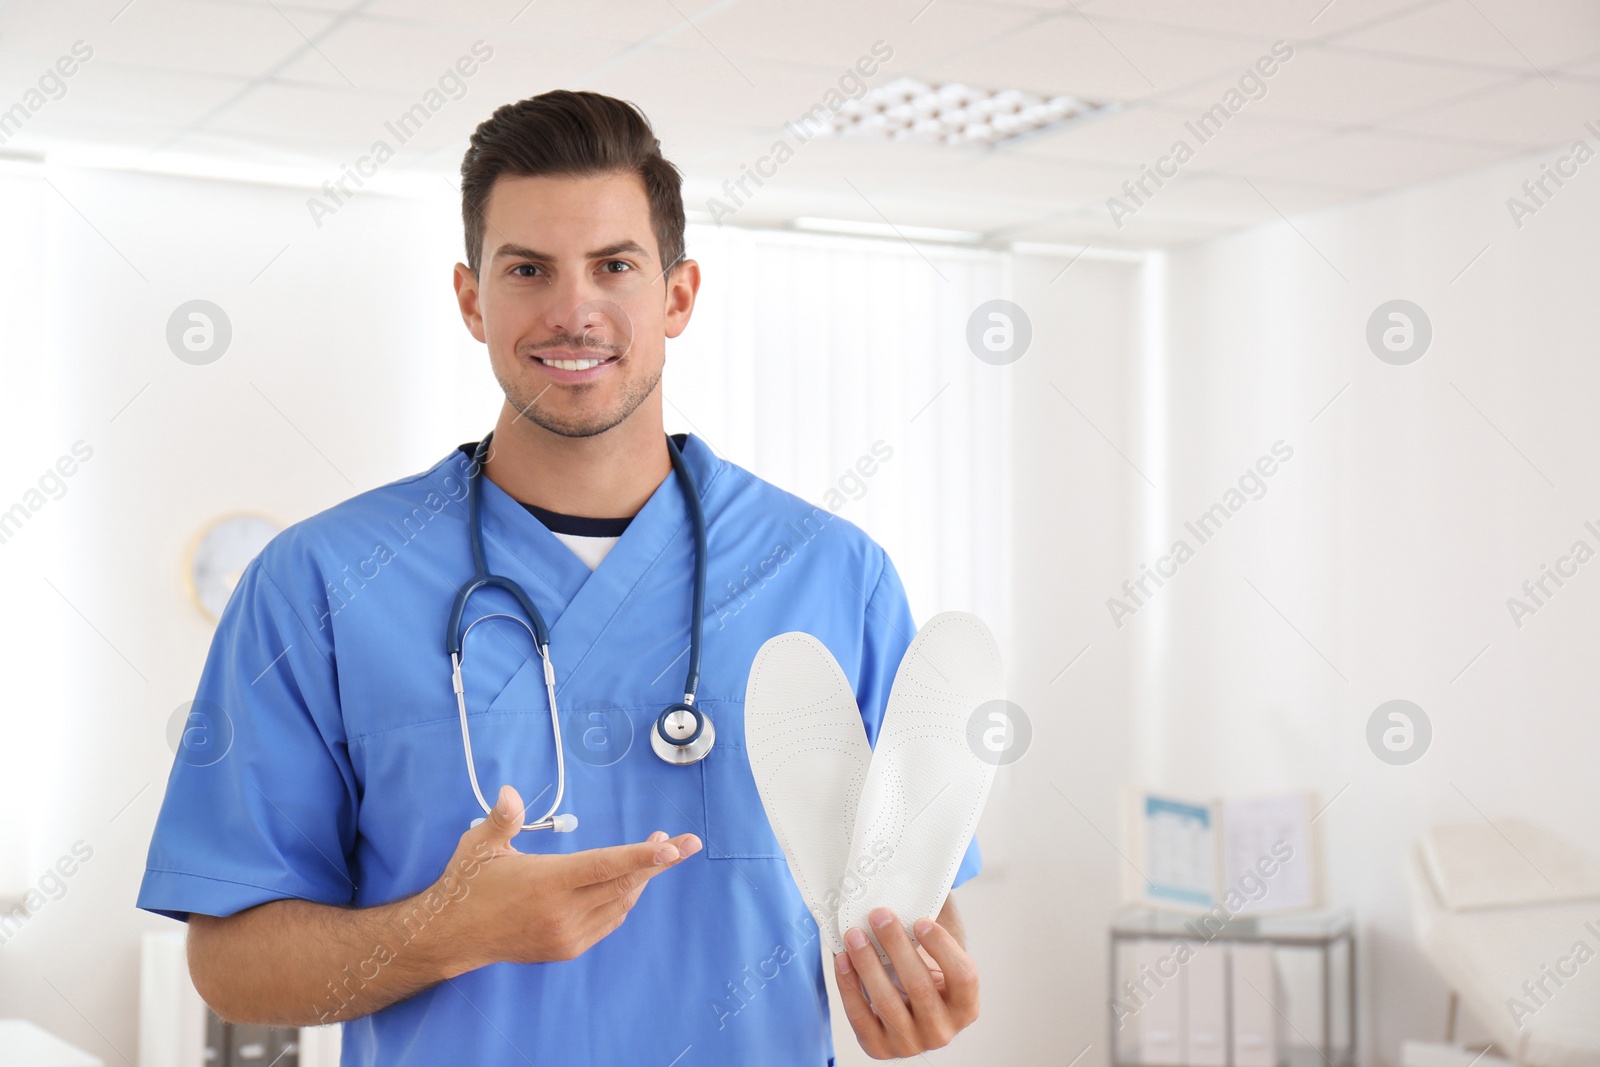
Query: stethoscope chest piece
{"points": [[683, 735]]}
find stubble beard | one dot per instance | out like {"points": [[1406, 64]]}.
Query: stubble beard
{"points": [[582, 424]]}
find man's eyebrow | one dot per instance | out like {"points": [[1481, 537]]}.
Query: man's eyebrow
{"points": [[512, 251]]}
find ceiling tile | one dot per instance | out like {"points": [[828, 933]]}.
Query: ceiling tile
{"points": [[1457, 32], [1262, 20], [838, 33], [549, 20], [302, 151], [694, 146], [1232, 201], [1328, 86], [1043, 183], [354, 118], [21, 71], [689, 85], [141, 94], [1128, 137], [1549, 32], [1120, 61], [224, 39], [50, 29], [836, 160], [780, 204], [291, 7], [1143, 134], [410, 57], [1529, 113], [1373, 161], [850, 179]]}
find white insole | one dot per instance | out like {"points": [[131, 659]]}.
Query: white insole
{"points": [[864, 829], [809, 754], [926, 786]]}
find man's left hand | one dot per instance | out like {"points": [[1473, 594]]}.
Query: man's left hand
{"points": [[939, 978]]}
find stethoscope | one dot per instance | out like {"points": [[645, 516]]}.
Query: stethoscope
{"points": [[682, 734]]}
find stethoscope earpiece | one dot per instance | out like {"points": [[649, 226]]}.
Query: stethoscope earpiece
{"points": [[683, 735]]}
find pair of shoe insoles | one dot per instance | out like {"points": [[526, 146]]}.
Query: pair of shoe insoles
{"points": [[865, 828]]}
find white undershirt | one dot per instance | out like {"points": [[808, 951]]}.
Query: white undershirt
{"points": [[589, 549]]}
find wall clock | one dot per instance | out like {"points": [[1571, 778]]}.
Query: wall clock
{"points": [[219, 554]]}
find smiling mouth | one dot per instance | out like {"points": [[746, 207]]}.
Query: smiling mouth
{"points": [[575, 364]]}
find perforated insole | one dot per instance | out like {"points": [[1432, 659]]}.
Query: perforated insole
{"points": [[809, 755], [860, 828], [926, 787]]}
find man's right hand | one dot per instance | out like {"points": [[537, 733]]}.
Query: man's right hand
{"points": [[509, 906], [296, 962]]}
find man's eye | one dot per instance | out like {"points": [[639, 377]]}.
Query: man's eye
{"points": [[521, 267], [624, 264]]}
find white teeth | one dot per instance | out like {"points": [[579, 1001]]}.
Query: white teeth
{"points": [[572, 364]]}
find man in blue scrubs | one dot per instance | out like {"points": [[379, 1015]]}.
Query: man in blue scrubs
{"points": [[317, 828]]}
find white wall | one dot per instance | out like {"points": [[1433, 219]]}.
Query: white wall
{"points": [[352, 333], [29, 444], [1037, 916], [1414, 506]]}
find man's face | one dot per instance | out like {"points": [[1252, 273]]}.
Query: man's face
{"points": [[571, 301]]}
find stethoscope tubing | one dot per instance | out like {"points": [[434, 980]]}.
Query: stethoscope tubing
{"points": [[547, 820], [535, 625]]}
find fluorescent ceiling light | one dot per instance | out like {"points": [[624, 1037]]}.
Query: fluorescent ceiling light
{"points": [[390, 180], [954, 114], [1076, 252], [883, 229]]}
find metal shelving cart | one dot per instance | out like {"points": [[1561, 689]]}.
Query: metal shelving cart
{"points": [[1310, 948]]}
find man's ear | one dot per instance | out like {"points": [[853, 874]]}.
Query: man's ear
{"points": [[683, 285], [467, 296]]}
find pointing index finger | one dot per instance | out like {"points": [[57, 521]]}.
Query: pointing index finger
{"points": [[599, 865]]}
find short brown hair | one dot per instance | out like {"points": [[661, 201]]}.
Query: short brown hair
{"points": [[578, 134]]}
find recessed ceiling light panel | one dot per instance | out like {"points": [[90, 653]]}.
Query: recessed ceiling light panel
{"points": [[954, 114]]}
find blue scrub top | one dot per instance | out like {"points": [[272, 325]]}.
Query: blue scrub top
{"points": [[324, 757]]}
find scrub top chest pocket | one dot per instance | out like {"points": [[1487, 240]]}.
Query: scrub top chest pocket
{"points": [[735, 820]]}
